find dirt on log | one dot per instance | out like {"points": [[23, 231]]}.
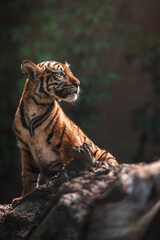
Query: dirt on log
{"points": [[89, 200]]}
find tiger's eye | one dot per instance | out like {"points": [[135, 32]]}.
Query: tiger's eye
{"points": [[60, 74]]}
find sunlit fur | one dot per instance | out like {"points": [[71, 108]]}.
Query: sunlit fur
{"points": [[44, 133]]}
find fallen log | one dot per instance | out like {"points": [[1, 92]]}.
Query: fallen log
{"points": [[89, 200]]}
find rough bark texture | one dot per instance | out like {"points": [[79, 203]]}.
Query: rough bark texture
{"points": [[89, 201]]}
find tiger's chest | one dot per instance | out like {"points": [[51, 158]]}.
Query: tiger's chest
{"points": [[42, 152]]}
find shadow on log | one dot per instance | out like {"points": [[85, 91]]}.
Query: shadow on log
{"points": [[89, 201]]}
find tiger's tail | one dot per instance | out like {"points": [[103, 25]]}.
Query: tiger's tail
{"points": [[103, 155]]}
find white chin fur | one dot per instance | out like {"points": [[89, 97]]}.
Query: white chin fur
{"points": [[72, 97]]}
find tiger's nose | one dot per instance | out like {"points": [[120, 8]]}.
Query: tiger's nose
{"points": [[75, 82]]}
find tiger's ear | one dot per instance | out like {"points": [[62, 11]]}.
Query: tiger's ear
{"points": [[67, 64], [30, 69]]}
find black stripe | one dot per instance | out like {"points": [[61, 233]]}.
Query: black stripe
{"points": [[59, 67], [40, 122], [59, 144], [50, 135], [101, 156], [54, 164], [39, 103], [55, 64], [22, 141], [51, 120], [22, 116], [56, 78], [95, 153], [52, 84], [48, 71], [41, 89], [36, 122], [47, 80], [42, 115], [16, 129], [25, 150], [58, 164], [32, 169], [37, 94]]}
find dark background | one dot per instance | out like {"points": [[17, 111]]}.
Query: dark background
{"points": [[113, 48]]}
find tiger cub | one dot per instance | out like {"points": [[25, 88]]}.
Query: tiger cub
{"points": [[44, 133]]}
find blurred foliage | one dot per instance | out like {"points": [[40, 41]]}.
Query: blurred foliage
{"points": [[144, 48]]}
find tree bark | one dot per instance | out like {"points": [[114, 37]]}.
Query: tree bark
{"points": [[89, 200]]}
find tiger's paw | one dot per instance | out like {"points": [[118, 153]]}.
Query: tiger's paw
{"points": [[84, 154], [15, 201], [112, 161]]}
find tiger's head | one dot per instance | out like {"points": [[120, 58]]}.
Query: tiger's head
{"points": [[52, 79]]}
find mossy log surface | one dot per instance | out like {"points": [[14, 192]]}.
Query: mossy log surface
{"points": [[89, 200]]}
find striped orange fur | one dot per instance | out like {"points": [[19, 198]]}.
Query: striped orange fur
{"points": [[44, 133]]}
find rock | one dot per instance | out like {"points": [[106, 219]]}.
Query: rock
{"points": [[88, 200]]}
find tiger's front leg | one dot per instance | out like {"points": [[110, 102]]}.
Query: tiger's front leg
{"points": [[48, 170], [29, 174]]}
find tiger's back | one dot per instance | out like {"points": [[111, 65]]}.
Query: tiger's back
{"points": [[44, 133]]}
